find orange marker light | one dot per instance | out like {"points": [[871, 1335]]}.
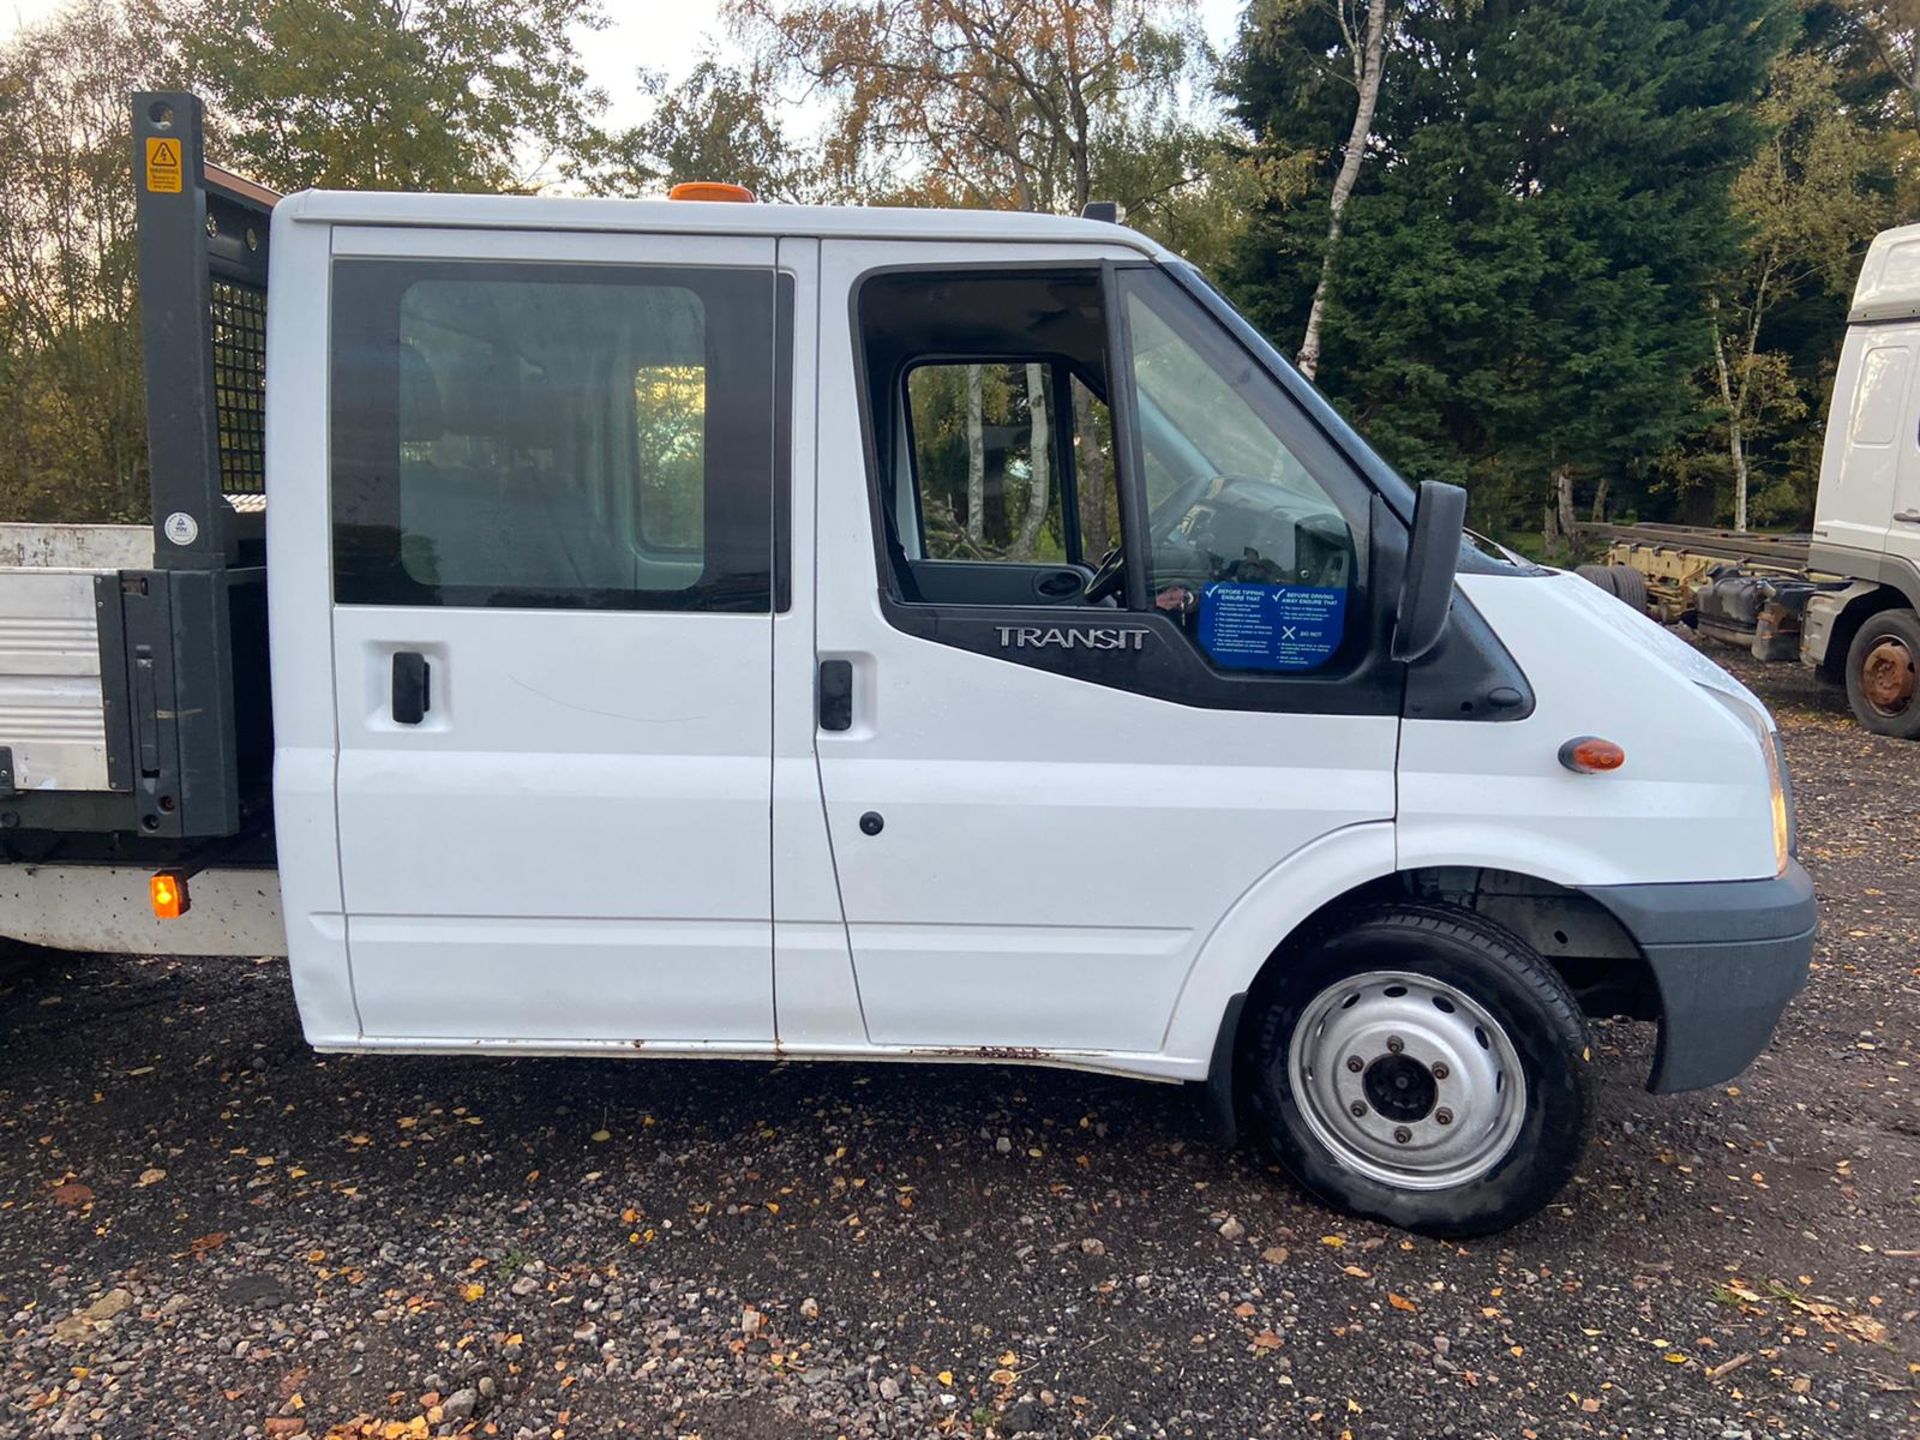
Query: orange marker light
{"points": [[1590, 755], [711, 190], [169, 896]]}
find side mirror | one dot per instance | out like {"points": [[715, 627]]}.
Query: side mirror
{"points": [[1433, 556]]}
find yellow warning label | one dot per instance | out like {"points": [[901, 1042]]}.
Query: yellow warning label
{"points": [[163, 165]]}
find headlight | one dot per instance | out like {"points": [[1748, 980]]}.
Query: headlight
{"points": [[1786, 820], [1785, 841]]}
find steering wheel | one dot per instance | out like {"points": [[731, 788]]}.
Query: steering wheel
{"points": [[1111, 573]]}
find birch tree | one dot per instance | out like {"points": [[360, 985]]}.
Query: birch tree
{"points": [[976, 456], [1809, 209], [1039, 465], [1365, 31]]}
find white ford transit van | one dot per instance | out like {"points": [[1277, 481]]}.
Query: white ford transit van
{"points": [[710, 629]]}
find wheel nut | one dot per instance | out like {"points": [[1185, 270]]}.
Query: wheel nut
{"points": [[1356, 1064], [1394, 1045], [1403, 1135], [1440, 1070], [1359, 1108], [1443, 1116]]}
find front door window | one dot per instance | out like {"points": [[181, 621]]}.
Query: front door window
{"points": [[1243, 542]]}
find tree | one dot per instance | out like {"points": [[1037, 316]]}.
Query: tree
{"points": [[1892, 30], [1363, 28], [717, 124], [1520, 296], [394, 94], [1007, 104], [976, 456], [1810, 205], [71, 397], [1039, 466]]}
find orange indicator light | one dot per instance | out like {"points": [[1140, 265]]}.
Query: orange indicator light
{"points": [[169, 896], [1590, 755]]}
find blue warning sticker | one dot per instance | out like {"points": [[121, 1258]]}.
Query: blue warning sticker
{"points": [[1271, 627]]}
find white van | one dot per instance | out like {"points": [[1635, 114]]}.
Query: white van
{"points": [[745, 630]]}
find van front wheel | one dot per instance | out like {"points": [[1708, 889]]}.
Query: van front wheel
{"points": [[1422, 1066]]}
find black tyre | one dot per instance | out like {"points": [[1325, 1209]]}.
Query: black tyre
{"points": [[1630, 585], [1881, 684], [1419, 1065], [1601, 575]]}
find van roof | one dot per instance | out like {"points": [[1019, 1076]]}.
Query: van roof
{"points": [[1889, 286], [836, 222]]}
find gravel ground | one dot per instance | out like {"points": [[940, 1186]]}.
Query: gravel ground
{"points": [[206, 1230]]}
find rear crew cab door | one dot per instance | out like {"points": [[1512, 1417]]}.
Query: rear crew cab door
{"points": [[553, 475], [1040, 809]]}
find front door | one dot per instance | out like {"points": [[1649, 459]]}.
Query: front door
{"points": [[1105, 619], [554, 485]]}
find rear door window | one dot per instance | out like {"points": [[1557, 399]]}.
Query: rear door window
{"points": [[549, 436]]}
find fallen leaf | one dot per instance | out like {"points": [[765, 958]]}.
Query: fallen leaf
{"points": [[472, 1291], [1266, 1340], [1335, 1241], [152, 1176], [1400, 1302], [72, 1195]]}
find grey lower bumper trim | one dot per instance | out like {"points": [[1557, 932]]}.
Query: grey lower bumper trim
{"points": [[1727, 957]]}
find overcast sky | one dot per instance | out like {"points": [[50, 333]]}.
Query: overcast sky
{"points": [[664, 35]]}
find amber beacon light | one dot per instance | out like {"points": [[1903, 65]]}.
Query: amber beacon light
{"points": [[169, 895], [1590, 755], [711, 190]]}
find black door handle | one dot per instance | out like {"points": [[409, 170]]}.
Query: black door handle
{"points": [[836, 694], [412, 687]]}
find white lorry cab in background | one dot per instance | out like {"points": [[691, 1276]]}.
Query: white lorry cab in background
{"points": [[1866, 523], [1844, 600], [707, 629]]}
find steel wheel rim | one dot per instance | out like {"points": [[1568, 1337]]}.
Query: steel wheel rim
{"points": [[1447, 1130], [1886, 676]]}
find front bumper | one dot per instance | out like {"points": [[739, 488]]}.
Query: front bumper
{"points": [[1727, 956]]}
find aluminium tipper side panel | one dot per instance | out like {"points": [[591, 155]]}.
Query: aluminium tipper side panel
{"points": [[52, 710]]}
